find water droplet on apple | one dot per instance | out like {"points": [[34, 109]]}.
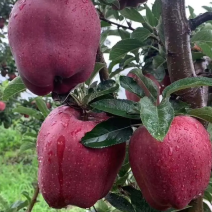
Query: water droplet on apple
{"points": [[177, 148], [170, 151]]}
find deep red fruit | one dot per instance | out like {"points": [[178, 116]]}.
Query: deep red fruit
{"points": [[173, 172], [134, 97], [58, 49], [2, 106], [69, 173]]}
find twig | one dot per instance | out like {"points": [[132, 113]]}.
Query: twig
{"points": [[34, 199], [116, 24], [101, 17], [195, 22], [103, 73]]}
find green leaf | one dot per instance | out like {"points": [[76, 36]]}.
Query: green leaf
{"points": [[158, 61], [121, 48], [125, 166], [42, 106], [157, 9], [137, 200], [123, 34], [186, 83], [119, 202], [120, 182], [19, 205], [29, 111], [14, 87], [209, 129], [204, 113], [206, 48], [132, 14], [150, 17], [131, 85], [152, 88], [120, 107], [203, 36], [101, 206], [180, 107], [141, 34], [104, 88], [191, 11], [30, 134], [27, 146], [111, 132], [157, 119], [97, 68]]}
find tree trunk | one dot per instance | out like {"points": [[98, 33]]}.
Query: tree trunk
{"points": [[179, 59]]}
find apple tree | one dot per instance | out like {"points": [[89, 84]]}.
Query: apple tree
{"points": [[149, 152]]}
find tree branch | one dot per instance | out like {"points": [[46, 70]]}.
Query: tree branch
{"points": [[101, 17], [116, 24], [195, 22], [34, 199], [103, 73]]}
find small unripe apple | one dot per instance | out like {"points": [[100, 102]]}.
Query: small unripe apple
{"points": [[134, 97], [173, 172], [2, 106], [70, 173], [58, 49]]}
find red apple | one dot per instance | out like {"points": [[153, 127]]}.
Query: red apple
{"points": [[2, 106], [69, 173], [173, 172], [134, 97], [58, 49]]}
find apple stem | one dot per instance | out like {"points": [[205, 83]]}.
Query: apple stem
{"points": [[84, 115]]}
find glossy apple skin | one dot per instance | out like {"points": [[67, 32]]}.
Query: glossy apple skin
{"points": [[54, 43], [69, 173], [134, 97], [173, 172], [2, 106]]}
